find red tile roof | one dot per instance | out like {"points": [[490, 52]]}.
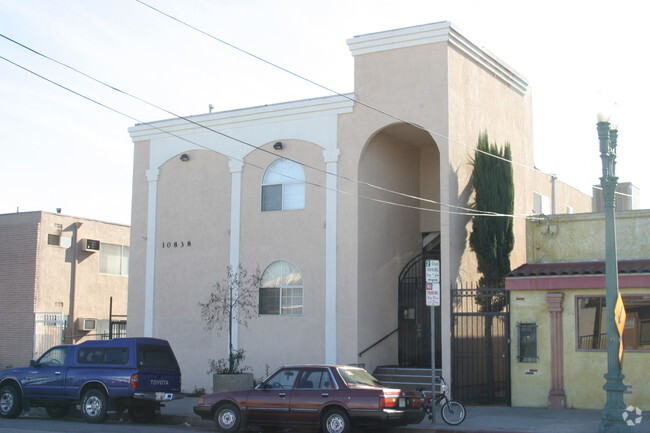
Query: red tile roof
{"points": [[578, 268]]}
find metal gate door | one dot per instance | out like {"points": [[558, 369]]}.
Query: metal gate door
{"points": [[480, 345], [48, 331], [414, 317]]}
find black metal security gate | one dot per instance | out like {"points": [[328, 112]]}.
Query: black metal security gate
{"points": [[480, 346], [414, 321]]}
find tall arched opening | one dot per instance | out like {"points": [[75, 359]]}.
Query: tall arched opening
{"points": [[398, 220]]}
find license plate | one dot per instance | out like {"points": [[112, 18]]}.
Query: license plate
{"points": [[402, 402], [163, 396]]}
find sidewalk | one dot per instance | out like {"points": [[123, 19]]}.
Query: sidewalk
{"points": [[480, 419]]}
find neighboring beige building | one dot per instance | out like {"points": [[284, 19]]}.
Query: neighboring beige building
{"points": [[557, 311], [58, 270], [331, 199]]}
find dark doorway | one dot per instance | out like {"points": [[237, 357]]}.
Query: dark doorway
{"points": [[414, 316], [480, 349]]}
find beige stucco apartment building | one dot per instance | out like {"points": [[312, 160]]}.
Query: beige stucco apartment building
{"points": [[330, 198], [59, 274]]}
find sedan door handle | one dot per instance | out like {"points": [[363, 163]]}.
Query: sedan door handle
{"points": [[57, 373], [325, 394], [282, 394]]}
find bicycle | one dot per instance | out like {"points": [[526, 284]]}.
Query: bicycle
{"points": [[452, 411]]}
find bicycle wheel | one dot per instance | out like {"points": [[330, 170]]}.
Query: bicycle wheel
{"points": [[453, 412]]}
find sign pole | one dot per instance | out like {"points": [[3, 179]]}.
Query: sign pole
{"points": [[432, 285], [433, 364]]}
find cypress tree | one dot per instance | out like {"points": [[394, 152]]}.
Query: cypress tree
{"points": [[492, 237]]}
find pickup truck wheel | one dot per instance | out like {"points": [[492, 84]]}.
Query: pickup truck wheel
{"points": [[11, 404], [227, 418], [93, 406], [57, 411], [142, 415]]}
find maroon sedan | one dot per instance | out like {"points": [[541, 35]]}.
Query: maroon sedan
{"points": [[328, 396]]}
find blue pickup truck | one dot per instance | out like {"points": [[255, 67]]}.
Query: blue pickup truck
{"points": [[134, 374]]}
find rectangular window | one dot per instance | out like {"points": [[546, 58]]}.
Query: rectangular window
{"points": [[114, 259], [271, 197], [284, 301], [292, 301], [269, 300], [156, 357], [294, 196], [99, 355], [316, 379], [527, 342], [592, 322], [53, 240], [541, 204]]}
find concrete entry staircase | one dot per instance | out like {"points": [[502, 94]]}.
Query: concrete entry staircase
{"points": [[405, 378]]}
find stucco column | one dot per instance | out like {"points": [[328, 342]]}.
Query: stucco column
{"points": [[331, 157], [150, 261], [556, 396], [236, 168]]}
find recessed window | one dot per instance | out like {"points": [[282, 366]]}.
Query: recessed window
{"points": [[114, 259], [527, 342], [53, 240], [541, 204], [281, 290], [283, 186], [592, 322]]}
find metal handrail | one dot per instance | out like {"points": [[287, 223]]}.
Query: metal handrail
{"points": [[378, 341]]}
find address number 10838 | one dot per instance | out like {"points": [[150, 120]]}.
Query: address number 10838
{"points": [[177, 244]]}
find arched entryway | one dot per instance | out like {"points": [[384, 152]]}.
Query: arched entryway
{"points": [[399, 170]]}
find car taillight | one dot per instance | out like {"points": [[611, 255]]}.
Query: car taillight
{"points": [[416, 402], [388, 400], [133, 383]]}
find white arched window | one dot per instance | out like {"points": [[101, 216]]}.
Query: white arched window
{"points": [[281, 289], [283, 186]]}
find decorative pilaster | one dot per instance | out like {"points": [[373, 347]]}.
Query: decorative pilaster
{"points": [[556, 396], [150, 263], [236, 169], [331, 158]]}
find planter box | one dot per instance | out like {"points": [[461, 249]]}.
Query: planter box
{"points": [[231, 382]]}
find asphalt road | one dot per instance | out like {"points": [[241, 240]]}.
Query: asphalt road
{"points": [[69, 425]]}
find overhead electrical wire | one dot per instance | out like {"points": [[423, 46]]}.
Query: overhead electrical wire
{"points": [[474, 213], [301, 77], [467, 211]]}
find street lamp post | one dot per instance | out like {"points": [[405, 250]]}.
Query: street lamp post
{"points": [[612, 414]]}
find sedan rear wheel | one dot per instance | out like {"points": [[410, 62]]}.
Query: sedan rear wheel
{"points": [[336, 421]]}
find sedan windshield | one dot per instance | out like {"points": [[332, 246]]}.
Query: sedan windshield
{"points": [[358, 377]]}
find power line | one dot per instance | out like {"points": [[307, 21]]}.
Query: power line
{"points": [[472, 213], [301, 77], [468, 211]]}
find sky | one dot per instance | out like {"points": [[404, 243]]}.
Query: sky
{"points": [[60, 150]]}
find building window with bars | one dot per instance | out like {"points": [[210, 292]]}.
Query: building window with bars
{"points": [[527, 342]]}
